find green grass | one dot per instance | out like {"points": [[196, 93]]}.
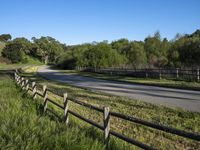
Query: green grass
{"points": [[31, 61], [15, 66], [23, 125], [174, 83], [178, 118]]}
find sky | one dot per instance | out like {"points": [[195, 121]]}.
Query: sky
{"points": [[82, 21]]}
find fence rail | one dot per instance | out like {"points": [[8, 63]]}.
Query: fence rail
{"points": [[32, 86], [178, 73]]}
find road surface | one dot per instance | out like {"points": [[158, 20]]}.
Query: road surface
{"points": [[185, 99]]}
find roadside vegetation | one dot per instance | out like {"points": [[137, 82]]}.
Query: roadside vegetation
{"points": [[23, 125], [178, 118], [154, 52], [19, 65]]}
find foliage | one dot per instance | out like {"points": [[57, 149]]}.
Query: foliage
{"points": [[190, 52], [90, 55], [47, 49], [66, 61], [102, 55], [13, 52], [5, 37], [121, 45], [154, 51], [137, 55], [2, 45], [4, 60]]}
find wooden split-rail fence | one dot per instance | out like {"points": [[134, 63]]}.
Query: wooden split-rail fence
{"points": [[177, 73], [106, 114]]}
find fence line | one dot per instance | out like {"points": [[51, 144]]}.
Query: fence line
{"points": [[178, 73], [25, 85]]}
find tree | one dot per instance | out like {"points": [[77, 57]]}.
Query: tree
{"points": [[121, 45], [5, 37], [66, 61], [17, 49], [78, 54], [102, 55], [156, 50], [137, 55], [13, 52], [26, 45], [185, 50], [190, 53], [47, 49]]}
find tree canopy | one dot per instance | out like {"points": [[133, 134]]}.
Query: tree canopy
{"points": [[154, 51], [5, 37]]}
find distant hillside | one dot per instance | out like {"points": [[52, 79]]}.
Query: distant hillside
{"points": [[2, 45]]}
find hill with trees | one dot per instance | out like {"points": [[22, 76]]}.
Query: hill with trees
{"points": [[154, 51]]}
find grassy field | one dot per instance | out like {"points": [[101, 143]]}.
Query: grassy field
{"points": [[24, 126], [174, 83], [185, 120]]}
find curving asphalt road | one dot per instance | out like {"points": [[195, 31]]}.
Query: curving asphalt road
{"points": [[185, 99]]}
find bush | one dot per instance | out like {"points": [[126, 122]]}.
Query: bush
{"points": [[4, 60], [13, 52]]}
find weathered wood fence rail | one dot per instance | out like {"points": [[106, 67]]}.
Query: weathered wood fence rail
{"points": [[32, 86], [178, 73]]}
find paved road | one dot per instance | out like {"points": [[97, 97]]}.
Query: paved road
{"points": [[186, 99]]}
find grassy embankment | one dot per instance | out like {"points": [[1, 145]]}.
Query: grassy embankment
{"points": [[26, 61], [30, 62], [185, 120], [174, 83], [24, 126]]}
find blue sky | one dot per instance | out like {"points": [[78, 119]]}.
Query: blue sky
{"points": [[80, 21]]}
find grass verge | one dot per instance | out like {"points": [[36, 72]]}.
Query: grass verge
{"points": [[23, 125]]}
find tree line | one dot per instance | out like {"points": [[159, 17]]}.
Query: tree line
{"points": [[44, 49], [154, 51]]}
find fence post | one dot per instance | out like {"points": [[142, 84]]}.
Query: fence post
{"points": [[177, 75], [66, 119], [34, 90], [18, 80], [146, 73], [16, 70], [15, 75], [197, 74], [27, 85], [22, 83], [160, 75], [45, 97], [106, 121]]}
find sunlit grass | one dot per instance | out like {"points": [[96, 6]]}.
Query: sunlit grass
{"points": [[24, 126]]}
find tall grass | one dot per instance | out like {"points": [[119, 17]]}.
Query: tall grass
{"points": [[24, 126]]}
